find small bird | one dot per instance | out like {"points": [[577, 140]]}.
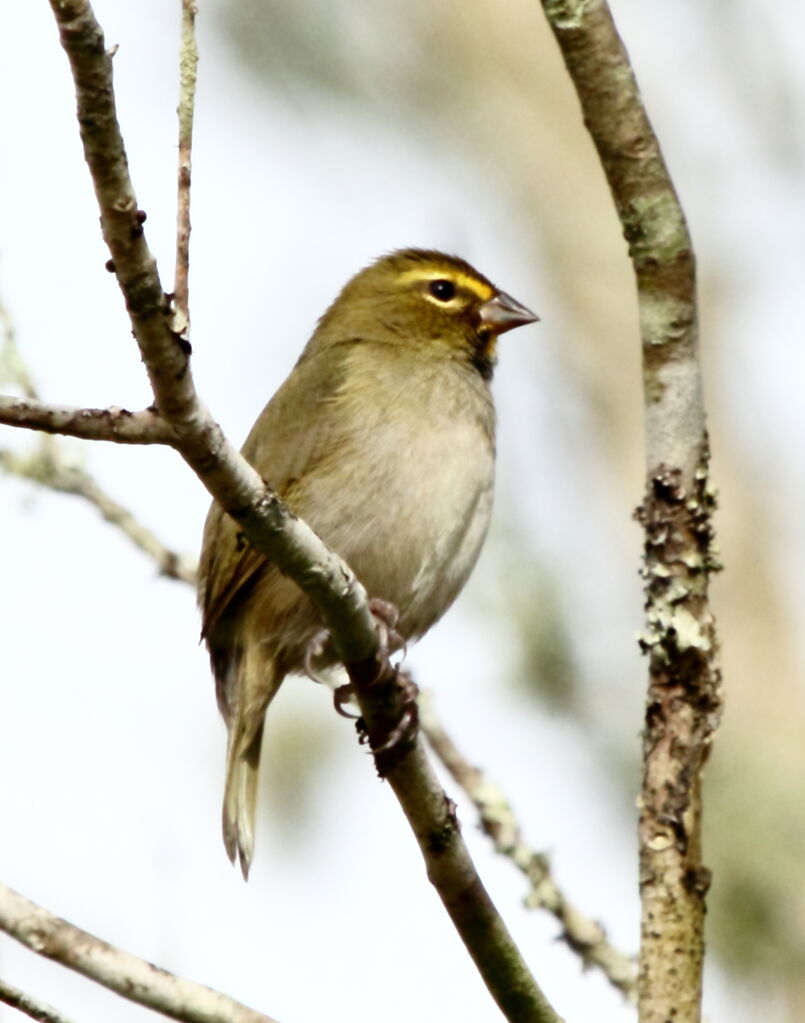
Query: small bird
{"points": [[382, 439]]}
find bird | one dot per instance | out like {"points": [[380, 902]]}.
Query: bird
{"points": [[382, 439]]}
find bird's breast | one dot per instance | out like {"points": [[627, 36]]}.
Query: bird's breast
{"points": [[407, 495]]}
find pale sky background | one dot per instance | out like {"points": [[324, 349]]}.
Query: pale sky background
{"points": [[111, 750]]}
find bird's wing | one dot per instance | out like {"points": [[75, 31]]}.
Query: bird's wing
{"points": [[297, 428]]}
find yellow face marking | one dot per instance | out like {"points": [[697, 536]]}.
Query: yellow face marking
{"points": [[462, 281]]}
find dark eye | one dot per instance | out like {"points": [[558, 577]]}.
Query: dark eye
{"points": [[443, 290]]}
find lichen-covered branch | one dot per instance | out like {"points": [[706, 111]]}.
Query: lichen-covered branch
{"points": [[133, 978], [584, 936], [684, 698], [273, 530]]}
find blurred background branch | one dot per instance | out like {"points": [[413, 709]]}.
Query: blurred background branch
{"points": [[50, 464], [121, 972], [584, 936], [32, 1007]]}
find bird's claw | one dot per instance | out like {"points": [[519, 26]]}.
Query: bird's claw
{"points": [[341, 697], [390, 641], [315, 648]]}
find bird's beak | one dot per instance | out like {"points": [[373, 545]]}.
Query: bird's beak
{"points": [[503, 313]]}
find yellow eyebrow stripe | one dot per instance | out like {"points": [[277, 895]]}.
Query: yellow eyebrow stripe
{"points": [[461, 280]]}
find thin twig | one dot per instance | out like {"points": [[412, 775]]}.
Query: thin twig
{"points": [[31, 1006], [684, 692], [188, 65], [133, 978], [584, 936], [111, 424], [271, 529], [49, 467]]}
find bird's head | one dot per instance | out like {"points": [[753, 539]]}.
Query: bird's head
{"points": [[425, 298]]}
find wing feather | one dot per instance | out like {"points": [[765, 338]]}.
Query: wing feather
{"points": [[294, 432]]}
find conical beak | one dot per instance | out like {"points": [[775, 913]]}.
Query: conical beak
{"points": [[503, 313]]}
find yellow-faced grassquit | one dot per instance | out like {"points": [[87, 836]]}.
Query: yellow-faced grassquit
{"points": [[383, 440]]}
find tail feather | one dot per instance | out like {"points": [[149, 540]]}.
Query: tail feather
{"points": [[251, 684], [240, 799]]}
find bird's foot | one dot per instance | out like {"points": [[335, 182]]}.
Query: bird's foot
{"points": [[408, 722]]}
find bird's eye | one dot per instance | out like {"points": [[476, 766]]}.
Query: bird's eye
{"points": [[443, 290]]}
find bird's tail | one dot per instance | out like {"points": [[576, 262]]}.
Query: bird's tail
{"points": [[253, 690]]}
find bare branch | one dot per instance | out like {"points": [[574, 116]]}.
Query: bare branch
{"points": [[188, 64], [684, 698], [28, 412], [48, 467], [133, 978], [271, 529], [112, 424], [584, 936], [32, 1007]]}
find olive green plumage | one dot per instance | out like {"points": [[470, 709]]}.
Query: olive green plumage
{"points": [[382, 440]]}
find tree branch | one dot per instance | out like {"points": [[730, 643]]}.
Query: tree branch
{"points": [[684, 697], [32, 1007], [266, 523], [273, 530], [112, 424], [188, 65], [121, 972], [584, 936]]}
